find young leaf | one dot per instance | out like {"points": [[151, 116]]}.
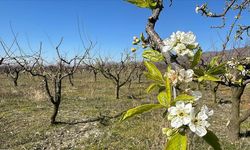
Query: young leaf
{"points": [[143, 3], [213, 62], [184, 97], [217, 70], [200, 79], [197, 58], [153, 72], [140, 109], [142, 37], [199, 72], [153, 55], [163, 99], [212, 140], [151, 87], [240, 67], [177, 141], [210, 78]]}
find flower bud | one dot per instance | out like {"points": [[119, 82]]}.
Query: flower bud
{"points": [[133, 49], [144, 45]]}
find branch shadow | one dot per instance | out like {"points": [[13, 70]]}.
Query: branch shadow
{"points": [[104, 120], [245, 134]]}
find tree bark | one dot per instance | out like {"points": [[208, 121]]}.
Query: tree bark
{"points": [[117, 91], [70, 80], [139, 78], [234, 124], [15, 82], [57, 101], [55, 112], [95, 76], [215, 89]]}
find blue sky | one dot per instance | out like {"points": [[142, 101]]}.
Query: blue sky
{"points": [[111, 23]]}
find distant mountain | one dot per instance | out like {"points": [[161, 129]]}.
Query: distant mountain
{"points": [[227, 54]]}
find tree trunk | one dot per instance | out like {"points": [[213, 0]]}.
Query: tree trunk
{"points": [[70, 80], [234, 124], [117, 91], [15, 77], [215, 89], [15, 82], [58, 88], [95, 76], [139, 78], [55, 112]]}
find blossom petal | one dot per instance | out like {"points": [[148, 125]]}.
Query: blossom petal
{"points": [[180, 105], [172, 110], [176, 122], [188, 108], [186, 120], [202, 116], [192, 127], [201, 131]]}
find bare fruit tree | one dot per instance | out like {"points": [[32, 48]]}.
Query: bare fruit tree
{"points": [[238, 7], [92, 69], [52, 75], [236, 31], [119, 72], [139, 71], [236, 76], [13, 71], [1, 61]]}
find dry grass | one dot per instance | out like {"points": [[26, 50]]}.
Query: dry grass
{"points": [[25, 112]]}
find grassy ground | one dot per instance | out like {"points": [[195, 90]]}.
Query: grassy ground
{"points": [[25, 113]]}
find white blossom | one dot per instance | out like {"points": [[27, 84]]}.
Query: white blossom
{"points": [[168, 44], [180, 114], [181, 75], [181, 49], [196, 94], [244, 72], [209, 13], [188, 38], [205, 110], [197, 8], [173, 76], [199, 122], [180, 43], [136, 40], [186, 75]]}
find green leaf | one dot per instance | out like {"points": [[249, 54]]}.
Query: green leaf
{"points": [[213, 62], [184, 97], [210, 78], [200, 78], [212, 140], [143, 3], [163, 99], [240, 67], [151, 87], [217, 70], [142, 37], [199, 72], [153, 55], [140, 109], [153, 72], [177, 141], [197, 58]]}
